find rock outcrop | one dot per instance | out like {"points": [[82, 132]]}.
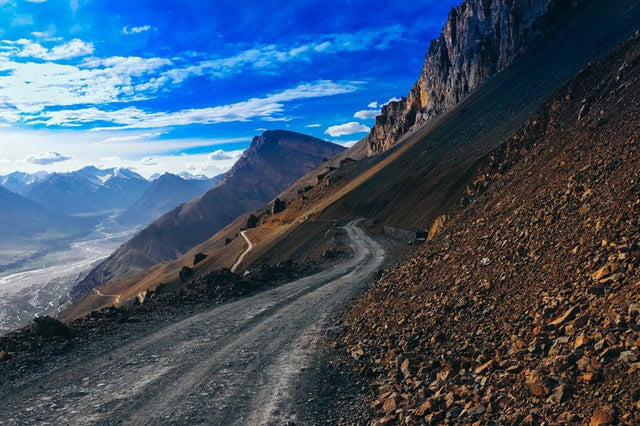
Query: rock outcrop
{"points": [[480, 39]]}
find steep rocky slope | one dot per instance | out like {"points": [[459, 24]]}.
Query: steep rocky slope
{"points": [[479, 39], [418, 180], [272, 162], [525, 307]]}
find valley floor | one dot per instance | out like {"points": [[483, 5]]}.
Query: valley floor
{"points": [[39, 286]]}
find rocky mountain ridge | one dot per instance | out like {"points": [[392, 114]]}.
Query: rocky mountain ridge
{"points": [[480, 39]]}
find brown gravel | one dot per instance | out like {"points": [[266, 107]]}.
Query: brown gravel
{"points": [[525, 307]]}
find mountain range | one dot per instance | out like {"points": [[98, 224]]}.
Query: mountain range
{"points": [[165, 192], [272, 162], [88, 191]]}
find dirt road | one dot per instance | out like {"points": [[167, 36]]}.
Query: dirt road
{"points": [[244, 253], [234, 364]]}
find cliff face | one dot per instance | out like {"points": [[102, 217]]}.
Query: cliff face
{"points": [[480, 39]]}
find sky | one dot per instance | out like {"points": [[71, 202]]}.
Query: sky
{"points": [[184, 85]]}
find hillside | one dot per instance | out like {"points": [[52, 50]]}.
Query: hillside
{"points": [[422, 177], [164, 193], [523, 309], [273, 161]]}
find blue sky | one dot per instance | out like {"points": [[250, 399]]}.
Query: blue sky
{"points": [[184, 85]]}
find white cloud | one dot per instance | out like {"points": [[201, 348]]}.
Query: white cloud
{"points": [[133, 137], [46, 158], [367, 114], [36, 1], [4, 161], [347, 144], [149, 161], [347, 129], [394, 99], [268, 108], [30, 87], [135, 30], [270, 56], [87, 148], [72, 49], [373, 105], [314, 125], [111, 159], [219, 155]]}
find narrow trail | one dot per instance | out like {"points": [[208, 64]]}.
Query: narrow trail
{"points": [[235, 364], [117, 296], [244, 253]]}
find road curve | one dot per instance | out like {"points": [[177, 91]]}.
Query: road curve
{"points": [[233, 364], [244, 253]]}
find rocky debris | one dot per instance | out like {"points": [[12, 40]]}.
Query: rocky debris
{"points": [[252, 221], [185, 273], [199, 257], [48, 327], [525, 307], [278, 206], [278, 272], [479, 39], [347, 161]]}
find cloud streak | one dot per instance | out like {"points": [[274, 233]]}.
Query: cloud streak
{"points": [[268, 108], [135, 30], [46, 158], [347, 129]]}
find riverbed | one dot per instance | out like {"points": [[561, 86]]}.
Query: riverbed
{"points": [[39, 291]]}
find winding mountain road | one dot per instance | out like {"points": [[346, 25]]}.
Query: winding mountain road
{"points": [[234, 364], [244, 253]]}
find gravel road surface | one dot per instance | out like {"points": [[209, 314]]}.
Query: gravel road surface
{"points": [[234, 364]]}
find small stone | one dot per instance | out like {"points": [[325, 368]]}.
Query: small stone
{"points": [[404, 368], [389, 405], [628, 356], [566, 316], [485, 261], [484, 367], [559, 394], [602, 417], [536, 385], [581, 341], [422, 409], [604, 272], [566, 417]]}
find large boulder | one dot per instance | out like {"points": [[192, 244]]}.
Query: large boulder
{"points": [[49, 327]]}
